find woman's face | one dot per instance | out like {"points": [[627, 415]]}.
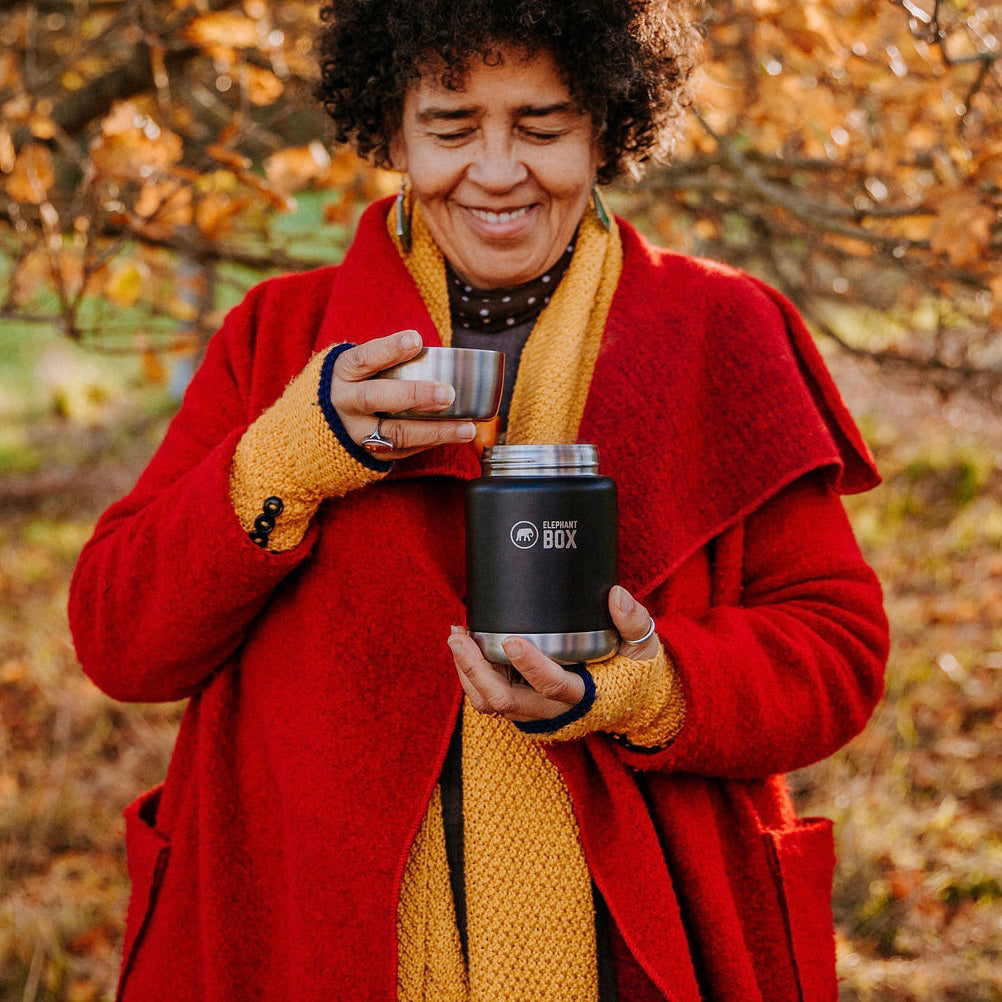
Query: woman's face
{"points": [[502, 169]]}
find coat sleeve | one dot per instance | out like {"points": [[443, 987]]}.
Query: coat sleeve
{"points": [[169, 584], [790, 667]]}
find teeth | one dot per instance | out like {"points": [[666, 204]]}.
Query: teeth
{"points": [[499, 217]]}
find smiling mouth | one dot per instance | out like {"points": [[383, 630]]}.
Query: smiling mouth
{"points": [[500, 217]]}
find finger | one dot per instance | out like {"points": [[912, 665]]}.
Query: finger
{"points": [[365, 360], [490, 691], [387, 396], [408, 437], [487, 689], [632, 621], [558, 689], [477, 701]]}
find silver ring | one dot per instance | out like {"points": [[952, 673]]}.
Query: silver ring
{"points": [[643, 640], [376, 439]]}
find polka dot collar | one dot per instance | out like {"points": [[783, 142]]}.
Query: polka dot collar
{"points": [[492, 310]]}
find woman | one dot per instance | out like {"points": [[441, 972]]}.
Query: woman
{"points": [[359, 806]]}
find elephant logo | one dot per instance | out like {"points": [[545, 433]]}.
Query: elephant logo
{"points": [[524, 535]]}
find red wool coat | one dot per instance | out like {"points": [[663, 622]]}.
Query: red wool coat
{"points": [[322, 692]]}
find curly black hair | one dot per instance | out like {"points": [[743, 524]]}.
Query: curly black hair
{"points": [[626, 62]]}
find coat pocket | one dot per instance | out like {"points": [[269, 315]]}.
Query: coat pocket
{"points": [[147, 851], [803, 865]]}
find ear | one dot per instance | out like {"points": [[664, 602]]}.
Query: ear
{"points": [[398, 153], [598, 154]]}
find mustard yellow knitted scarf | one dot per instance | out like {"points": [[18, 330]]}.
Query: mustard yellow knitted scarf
{"points": [[530, 914]]}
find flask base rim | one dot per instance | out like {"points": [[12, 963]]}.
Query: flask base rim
{"points": [[564, 648]]}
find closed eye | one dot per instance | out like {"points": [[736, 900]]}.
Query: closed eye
{"points": [[456, 135], [542, 135]]}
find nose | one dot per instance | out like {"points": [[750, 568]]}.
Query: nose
{"points": [[496, 165]]}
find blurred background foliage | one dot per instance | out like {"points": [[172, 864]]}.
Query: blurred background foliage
{"points": [[158, 158], [849, 150]]}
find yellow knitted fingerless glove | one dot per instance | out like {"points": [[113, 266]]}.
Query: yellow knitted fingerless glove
{"points": [[291, 452], [640, 701]]}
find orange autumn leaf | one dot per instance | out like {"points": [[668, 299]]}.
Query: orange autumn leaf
{"points": [[223, 28], [963, 227], [8, 154], [164, 206], [292, 169], [33, 175], [151, 367], [17, 109], [132, 146], [228, 157], [995, 285], [9, 70], [216, 212], [339, 213], [344, 167], [262, 86]]}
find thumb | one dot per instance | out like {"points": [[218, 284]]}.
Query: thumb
{"points": [[633, 622]]}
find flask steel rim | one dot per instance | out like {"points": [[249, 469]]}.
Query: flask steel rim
{"points": [[563, 460], [564, 648]]}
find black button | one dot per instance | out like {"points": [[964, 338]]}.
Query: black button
{"points": [[273, 506], [264, 523], [259, 539]]}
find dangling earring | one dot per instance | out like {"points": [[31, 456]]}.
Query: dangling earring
{"points": [[402, 219], [600, 210]]}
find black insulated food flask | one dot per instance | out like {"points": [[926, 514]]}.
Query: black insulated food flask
{"points": [[541, 552]]}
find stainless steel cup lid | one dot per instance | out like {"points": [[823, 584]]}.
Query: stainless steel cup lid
{"points": [[476, 373], [565, 460]]}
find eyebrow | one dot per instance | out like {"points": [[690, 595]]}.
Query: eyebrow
{"points": [[523, 111], [541, 111]]}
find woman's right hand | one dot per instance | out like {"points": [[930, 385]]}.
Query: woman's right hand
{"points": [[361, 400]]}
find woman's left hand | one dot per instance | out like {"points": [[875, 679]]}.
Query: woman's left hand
{"points": [[549, 688]]}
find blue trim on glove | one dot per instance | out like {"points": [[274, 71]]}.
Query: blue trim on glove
{"points": [[334, 419], [576, 712]]}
